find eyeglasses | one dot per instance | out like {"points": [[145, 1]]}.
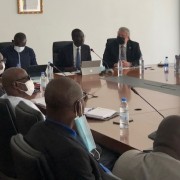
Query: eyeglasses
{"points": [[24, 78], [3, 61]]}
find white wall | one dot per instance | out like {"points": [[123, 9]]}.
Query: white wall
{"points": [[153, 23]]}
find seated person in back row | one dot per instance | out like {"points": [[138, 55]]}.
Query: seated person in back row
{"points": [[18, 87], [70, 56], [55, 138], [122, 48], [162, 163], [18, 54]]}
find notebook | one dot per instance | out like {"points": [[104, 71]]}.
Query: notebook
{"points": [[90, 67], [35, 70]]}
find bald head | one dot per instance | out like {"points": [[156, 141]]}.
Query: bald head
{"points": [[10, 76], [62, 93], [168, 136]]}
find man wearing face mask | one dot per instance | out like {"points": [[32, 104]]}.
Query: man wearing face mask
{"points": [[58, 141], [18, 86], [71, 56], [122, 48], [18, 54]]}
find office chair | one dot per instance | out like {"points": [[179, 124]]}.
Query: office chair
{"points": [[29, 163], [4, 45], [7, 130], [110, 40], [57, 46], [26, 117]]}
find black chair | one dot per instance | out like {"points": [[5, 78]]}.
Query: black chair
{"points": [[30, 164], [7, 130], [4, 45], [26, 117], [110, 40], [57, 46]]}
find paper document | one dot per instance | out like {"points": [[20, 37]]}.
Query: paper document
{"points": [[100, 113]]}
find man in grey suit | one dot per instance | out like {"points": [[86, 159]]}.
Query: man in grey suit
{"points": [[71, 56], [121, 48], [56, 138]]}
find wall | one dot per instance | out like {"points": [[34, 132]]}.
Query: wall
{"points": [[153, 23]]}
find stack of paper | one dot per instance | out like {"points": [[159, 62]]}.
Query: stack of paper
{"points": [[100, 113]]}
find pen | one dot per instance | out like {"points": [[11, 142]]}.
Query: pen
{"points": [[116, 122]]}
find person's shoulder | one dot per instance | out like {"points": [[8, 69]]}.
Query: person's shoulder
{"points": [[27, 48], [7, 49], [86, 46], [133, 42]]}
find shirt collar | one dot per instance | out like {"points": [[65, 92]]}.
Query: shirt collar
{"points": [[75, 47], [70, 131]]}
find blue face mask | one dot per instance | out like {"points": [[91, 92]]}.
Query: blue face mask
{"points": [[85, 132]]}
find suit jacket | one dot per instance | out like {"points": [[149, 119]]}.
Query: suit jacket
{"points": [[111, 53], [65, 154], [66, 56], [27, 57]]}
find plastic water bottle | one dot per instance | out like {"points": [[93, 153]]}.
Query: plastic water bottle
{"points": [[43, 82], [166, 64], [124, 114], [50, 73]]}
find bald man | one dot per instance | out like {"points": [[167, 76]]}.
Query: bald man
{"points": [[64, 151], [162, 163], [18, 86]]}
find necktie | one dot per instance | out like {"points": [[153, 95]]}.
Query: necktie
{"points": [[78, 61], [123, 56]]}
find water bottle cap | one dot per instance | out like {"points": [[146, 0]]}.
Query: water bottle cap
{"points": [[123, 99]]}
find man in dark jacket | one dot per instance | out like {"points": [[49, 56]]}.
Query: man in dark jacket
{"points": [[71, 56], [18, 54], [65, 152], [121, 48]]}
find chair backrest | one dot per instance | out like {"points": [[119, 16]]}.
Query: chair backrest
{"points": [[7, 130], [29, 163], [57, 46], [4, 45], [110, 40], [26, 117]]}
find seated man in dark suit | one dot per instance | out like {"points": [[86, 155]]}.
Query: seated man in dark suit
{"points": [[18, 54], [122, 48], [70, 56], [161, 163], [64, 150]]}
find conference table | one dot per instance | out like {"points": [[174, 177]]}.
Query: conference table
{"points": [[108, 91]]}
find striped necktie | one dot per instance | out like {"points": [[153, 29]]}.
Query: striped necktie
{"points": [[78, 61], [122, 53]]}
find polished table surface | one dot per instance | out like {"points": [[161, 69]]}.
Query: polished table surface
{"points": [[145, 118]]}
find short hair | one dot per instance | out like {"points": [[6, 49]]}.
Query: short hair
{"points": [[74, 31], [20, 36], [124, 29]]}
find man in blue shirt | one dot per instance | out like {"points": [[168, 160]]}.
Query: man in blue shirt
{"points": [[65, 152], [18, 54]]}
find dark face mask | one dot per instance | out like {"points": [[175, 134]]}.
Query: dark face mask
{"points": [[120, 40]]}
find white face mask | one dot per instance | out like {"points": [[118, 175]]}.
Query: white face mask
{"points": [[19, 49], [30, 87], [2, 70]]}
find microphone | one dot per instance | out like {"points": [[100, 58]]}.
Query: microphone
{"points": [[146, 101], [109, 69], [52, 65], [153, 134]]}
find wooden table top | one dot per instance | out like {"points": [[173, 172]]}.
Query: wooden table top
{"points": [[145, 118]]}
